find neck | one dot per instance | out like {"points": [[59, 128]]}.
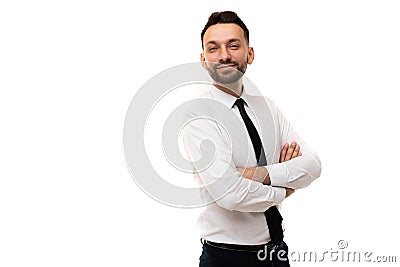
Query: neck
{"points": [[234, 89]]}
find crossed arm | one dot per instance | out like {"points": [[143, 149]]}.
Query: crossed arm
{"points": [[261, 175], [232, 188]]}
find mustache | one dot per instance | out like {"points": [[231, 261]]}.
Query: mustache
{"points": [[222, 63]]}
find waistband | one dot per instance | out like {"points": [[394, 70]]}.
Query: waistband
{"points": [[237, 247]]}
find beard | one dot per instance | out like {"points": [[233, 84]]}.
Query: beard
{"points": [[226, 72]]}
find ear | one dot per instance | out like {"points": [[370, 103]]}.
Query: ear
{"points": [[250, 56], [203, 60]]}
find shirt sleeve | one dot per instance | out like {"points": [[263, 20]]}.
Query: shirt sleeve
{"points": [[203, 137], [298, 172]]}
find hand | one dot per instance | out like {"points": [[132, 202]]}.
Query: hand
{"points": [[248, 173], [256, 174], [261, 174], [290, 152], [289, 191]]}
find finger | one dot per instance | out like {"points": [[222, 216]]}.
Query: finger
{"points": [[296, 151], [283, 152], [289, 153], [300, 154]]}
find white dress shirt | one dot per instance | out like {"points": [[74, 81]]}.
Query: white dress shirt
{"points": [[235, 213]]}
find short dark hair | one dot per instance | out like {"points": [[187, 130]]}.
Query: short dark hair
{"points": [[225, 17]]}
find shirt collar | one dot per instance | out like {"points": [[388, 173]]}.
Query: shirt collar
{"points": [[225, 98]]}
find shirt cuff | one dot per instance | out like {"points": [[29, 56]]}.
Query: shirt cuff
{"points": [[280, 194], [277, 174]]}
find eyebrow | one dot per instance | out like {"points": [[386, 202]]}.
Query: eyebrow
{"points": [[229, 41]]}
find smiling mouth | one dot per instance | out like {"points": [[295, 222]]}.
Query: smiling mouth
{"points": [[225, 66]]}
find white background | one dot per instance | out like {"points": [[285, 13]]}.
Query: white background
{"points": [[69, 69]]}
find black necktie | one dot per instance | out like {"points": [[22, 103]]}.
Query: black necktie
{"points": [[274, 218]]}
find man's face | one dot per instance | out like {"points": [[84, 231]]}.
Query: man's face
{"points": [[226, 53]]}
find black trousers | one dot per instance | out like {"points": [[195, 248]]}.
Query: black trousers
{"points": [[218, 257]]}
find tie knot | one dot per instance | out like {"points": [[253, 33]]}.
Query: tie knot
{"points": [[239, 102]]}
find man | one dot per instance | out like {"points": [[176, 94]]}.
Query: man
{"points": [[249, 174]]}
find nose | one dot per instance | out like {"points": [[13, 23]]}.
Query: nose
{"points": [[224, 54]]}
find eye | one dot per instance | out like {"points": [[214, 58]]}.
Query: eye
{"points": [[212, 49], [234, 46]]}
